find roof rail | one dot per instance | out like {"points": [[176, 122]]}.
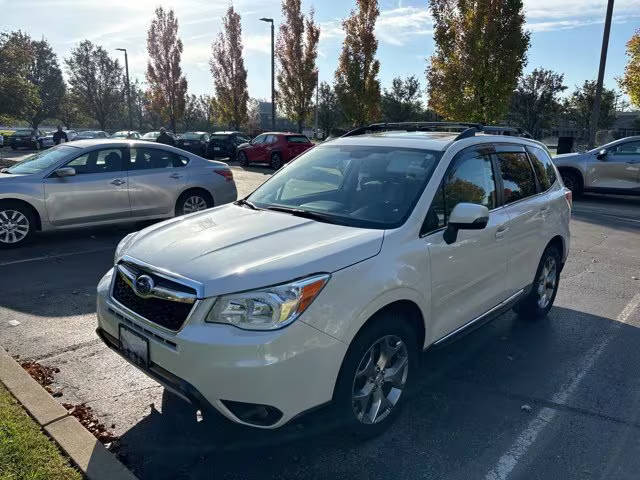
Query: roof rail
{"points": [[416, 127]]}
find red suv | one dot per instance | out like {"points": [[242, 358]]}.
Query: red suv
{"points": [[273, 148]]}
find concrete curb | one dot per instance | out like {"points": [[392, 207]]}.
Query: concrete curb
{"points": [[89, 455]]}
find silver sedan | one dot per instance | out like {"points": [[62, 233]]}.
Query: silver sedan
{"points": [[100, 182]]}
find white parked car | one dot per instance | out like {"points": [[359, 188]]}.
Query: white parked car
{"points": [[325, 283]]}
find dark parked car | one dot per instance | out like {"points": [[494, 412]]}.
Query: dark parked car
{"points": [[274, 148], [225, 144], [88, 134], [26, 138], [194, 142]]}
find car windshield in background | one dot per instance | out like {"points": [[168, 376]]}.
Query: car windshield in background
{"points": [[192, 136], [120, 135], [151, 135], [22, 133], [41, 161], [361, 186], [219, 137], [297, 139]]}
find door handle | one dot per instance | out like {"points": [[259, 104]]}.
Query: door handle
{"points": [[118, 182], [175, 175], [501, 231]]}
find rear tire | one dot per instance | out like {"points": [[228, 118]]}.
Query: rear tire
{"points": [[242, 159], [376, 370], [193, 201], [539, 300], [276, 161], [572, 181], [17, 225]]}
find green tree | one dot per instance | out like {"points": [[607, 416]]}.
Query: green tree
{"points": [[357, 86], [69, 112], [96, 83], [630, 81], [206, 106], [401, 103], [579, 106], [329, 112], [229, 74], [480, 50], [535, 103], [18, 95], [45, 74], [167, 86], [297, 50]]}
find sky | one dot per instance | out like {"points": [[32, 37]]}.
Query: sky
{"points": [[566, 35]]}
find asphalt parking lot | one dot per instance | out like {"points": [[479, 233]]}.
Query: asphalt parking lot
{"points": [[554, 399]]}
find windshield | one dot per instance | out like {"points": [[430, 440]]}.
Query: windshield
{"points": [[41, 161], [22, 133], [151, 135], [191, 136], [363, 186], [120, 134], [218, 137]]}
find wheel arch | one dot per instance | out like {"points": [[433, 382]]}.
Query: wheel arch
{"points": [[558, 242], [34, 211], [573, 170]]}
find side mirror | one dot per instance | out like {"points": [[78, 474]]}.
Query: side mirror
{"points": [[601, 155], [465, 216], [65, 172]]}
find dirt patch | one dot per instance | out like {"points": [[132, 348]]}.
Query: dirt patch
{"points": [[41, 373]]}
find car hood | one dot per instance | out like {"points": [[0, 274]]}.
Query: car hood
{"points": [[232, 248]]}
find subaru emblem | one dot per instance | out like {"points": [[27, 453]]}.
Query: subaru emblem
{"points": [[144, 285]]}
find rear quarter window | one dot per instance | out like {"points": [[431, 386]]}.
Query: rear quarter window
{"points": [[543, 166]]}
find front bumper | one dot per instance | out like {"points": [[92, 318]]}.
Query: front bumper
{"points": [[214, 365]]}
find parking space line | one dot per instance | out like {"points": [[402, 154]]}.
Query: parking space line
{"points": [[509, 460], [51, 257]]}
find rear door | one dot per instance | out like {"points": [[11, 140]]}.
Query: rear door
{"points": [[619, 169], [527, 210], [156, 178], [296, 144], [98, 192]]}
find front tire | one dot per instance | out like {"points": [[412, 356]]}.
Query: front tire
{"points": [[16, 225], [276, 161], [243, 160], [539, 300], [375, 375], [572, 181]]}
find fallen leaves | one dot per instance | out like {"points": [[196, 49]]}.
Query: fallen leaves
{"points": [[87, 418]]}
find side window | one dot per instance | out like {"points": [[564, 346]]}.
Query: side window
{"points": [[271, 139], [144, 158], [628, 148], [98, 161], [517, 176], [259, 139], [469, 180], [543, 167]]}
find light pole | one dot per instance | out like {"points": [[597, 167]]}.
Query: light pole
{"points": [[126, 68], [273, 89], [595, 115]]}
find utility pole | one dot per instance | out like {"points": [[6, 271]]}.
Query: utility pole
{"points": [[126, 68], [315, 132], [273, 88], [595, 115]]}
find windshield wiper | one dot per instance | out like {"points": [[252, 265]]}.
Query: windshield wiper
{"points": [[247, 203], [298, 212], [5, 170]]}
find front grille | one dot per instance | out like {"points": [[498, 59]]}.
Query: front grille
{"points": [[166, 313]]}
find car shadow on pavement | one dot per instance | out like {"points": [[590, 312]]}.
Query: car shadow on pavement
{"points": [[464, 410], [616, 212]]}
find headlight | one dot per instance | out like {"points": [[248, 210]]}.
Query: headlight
{"points": [[122, 246], [268, 308]]}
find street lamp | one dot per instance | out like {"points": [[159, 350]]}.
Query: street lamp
{"points": [[273, 95], [126, 67]]}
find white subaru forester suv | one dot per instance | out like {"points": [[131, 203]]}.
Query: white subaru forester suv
{"points": [[325, 283]]}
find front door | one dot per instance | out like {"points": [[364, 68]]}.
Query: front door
{"points": [[257, 152], [156, 178], [97, 192], [468, 277], [618, 169]]}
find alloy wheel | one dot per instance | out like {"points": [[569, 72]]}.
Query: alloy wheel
{"points": [[194, 203], [380, 379], [547, 282], [14, 226]]}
